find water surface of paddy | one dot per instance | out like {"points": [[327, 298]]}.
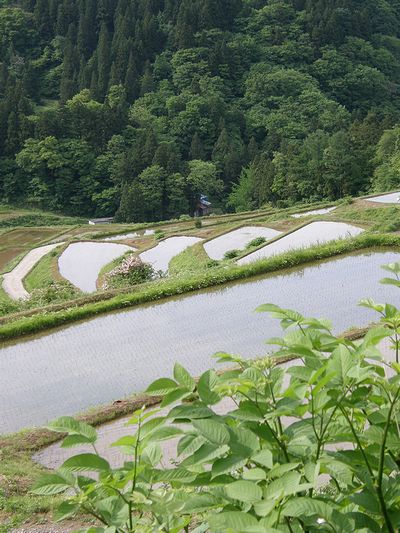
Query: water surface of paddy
{"points": [[312, 234], [315, 212], [124, 236], [105, 358], [81, 262], [392, 198], [237, 240], [161, 255]]}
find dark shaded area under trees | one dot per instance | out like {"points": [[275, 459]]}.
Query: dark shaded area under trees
{"points": [[136, 107]]}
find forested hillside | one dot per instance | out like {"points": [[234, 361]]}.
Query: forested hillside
{"points": [[136, 107]]}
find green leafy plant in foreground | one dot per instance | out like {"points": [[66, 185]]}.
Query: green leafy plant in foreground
{"points": [[309, 445]]}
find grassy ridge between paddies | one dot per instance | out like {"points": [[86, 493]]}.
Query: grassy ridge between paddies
{"points": [[175, 286]]}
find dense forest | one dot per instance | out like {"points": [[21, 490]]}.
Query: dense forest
{"points": [[136, 107]]}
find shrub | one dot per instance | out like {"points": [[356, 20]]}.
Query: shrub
{"points": [[198, 223], [314, 446], [131, 271], [258, 241], [211, 263], [40, 220], [231, 254], [185, 217], [55, 291], [159, 235]]}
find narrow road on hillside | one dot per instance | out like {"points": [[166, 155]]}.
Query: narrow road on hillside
{"points": [[13, 281]]}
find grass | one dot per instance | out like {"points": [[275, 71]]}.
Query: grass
{"points": [[384, 219], [43, 273], [70, 312], [192, 260]]}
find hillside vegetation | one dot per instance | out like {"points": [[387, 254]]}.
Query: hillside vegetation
{"points": [[139, 106]]}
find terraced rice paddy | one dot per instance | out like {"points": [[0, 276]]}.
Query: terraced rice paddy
{"points": [[315, 212], [103, 359], [237, 239], [134, 235], [13, 243], [310, 235], [392, 198], [160, 256], [82, 262], [13, 281]]}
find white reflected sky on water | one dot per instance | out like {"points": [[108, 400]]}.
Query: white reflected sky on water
{"points": [[108, 357]]}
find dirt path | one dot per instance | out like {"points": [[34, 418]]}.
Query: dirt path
{"points": [[12, 282]]}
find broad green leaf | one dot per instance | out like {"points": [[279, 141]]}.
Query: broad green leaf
{"points": [[174, 395], [286, 485], [164, 433], [200, 503], [264, 458], [307, 507], [231, 520], [86, 462], [66, 510], [50, 484], [183, 377], [175, 474], [212, 430], [390, 281], [67, 424], [226, 465], [244, 491], [75, 440], [152, 454], [191, 411], [254, 474], [189, 444], [162, 386], [205, 454], [394, 268], [151, 425], [243, 442], [205, 388]]}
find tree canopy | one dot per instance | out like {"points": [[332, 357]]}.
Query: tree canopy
{"points": [[135, 107]]}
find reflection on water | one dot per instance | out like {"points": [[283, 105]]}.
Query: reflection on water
{"points": [[108, 357], [312, 234], [392, 198], [81, 262], [123, 237], [237, 240], [161, 255], [315, 212]]}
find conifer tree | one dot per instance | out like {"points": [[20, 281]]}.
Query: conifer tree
{"points": [[103, 61]]}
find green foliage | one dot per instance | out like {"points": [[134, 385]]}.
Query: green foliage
{"points": [[258, 241], [231, 254], [39, 220], [128, 271], [386, 175], [309, 446], [250, 102]]}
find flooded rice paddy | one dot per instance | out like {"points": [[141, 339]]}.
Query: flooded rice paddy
{"points": [[392, 198], [312, 234], [161, 255], [134, 235], [315, 212], [82, 262], [108, 357], [237, 240]]}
